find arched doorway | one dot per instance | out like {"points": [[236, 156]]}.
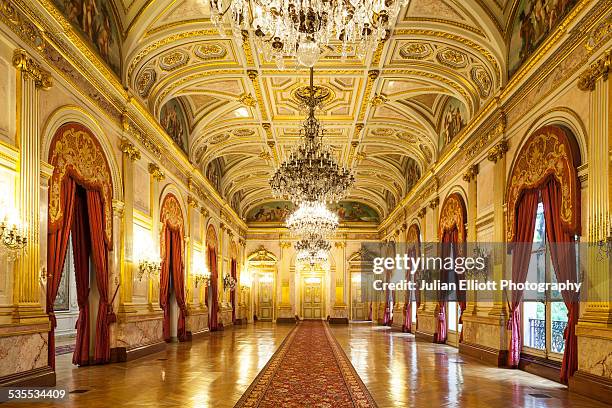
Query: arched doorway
{"points": [[212, 297], [172, 277], [452, 236], [80, 216], [543, 200], [262, 265]]}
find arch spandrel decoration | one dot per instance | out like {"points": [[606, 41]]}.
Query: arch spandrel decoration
{"points": [[211, 237], [414, 234], [171, 216], [453, 214], [262, 256], [76, 152], [171, 213], [547, 153]]}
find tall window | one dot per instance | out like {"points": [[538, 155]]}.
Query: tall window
{"points": [[544, 320]]}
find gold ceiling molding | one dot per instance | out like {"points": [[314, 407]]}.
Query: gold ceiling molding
{"points": [[246, 47], [178, 82], [442, 21], [173, 60], [415, 50], [163, 42], [449, 36], [372, 75], [252, 74], [600, 34]]}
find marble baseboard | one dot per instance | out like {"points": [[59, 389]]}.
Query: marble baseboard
{"points": [[592, 386], [488, 355], [39, 377], [595, 356], [138, 333], [197, 322], [23, 353]]}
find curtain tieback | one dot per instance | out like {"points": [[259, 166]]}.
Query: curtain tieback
{"points": [[111, 317], [513, 315], [52, 319]]}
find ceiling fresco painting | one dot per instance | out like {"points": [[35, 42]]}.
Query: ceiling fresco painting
{"points": [[534, 21], [95, 20], [347, 211]]}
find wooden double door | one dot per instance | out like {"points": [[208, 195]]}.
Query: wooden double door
{"points": [[312, 298]]}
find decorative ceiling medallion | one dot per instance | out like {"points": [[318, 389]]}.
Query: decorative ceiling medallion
{"points": [[482, 80], [378, 100], [199, 153], [426, 152], [382, 132], [414, 50], [322, 94], [173, 60], [407, 136], [452, 58], [218, 138], [210, 51], [145, 82], [247, 100], [244, 132]]}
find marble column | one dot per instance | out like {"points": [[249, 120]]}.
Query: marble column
{"points": [[284, 283], [30, 79], [471, 177], [594, 329], [340, 309], [156, 177], [497, 155], [130, 155]]}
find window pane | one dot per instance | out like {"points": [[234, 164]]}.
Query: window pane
{"points": [[559, 322], [451, 311], [534, 325]]}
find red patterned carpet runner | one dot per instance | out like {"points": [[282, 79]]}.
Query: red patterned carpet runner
{"points": [[309, 369]]}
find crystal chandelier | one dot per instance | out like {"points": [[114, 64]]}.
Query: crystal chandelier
{"points": [[299, 28], [312, 218], [312, 250], [311, 173]]}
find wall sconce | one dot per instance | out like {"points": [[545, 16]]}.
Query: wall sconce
{"points": [[201, 277], [480, 274], [229, 282], [13, 239], [148, 268]]}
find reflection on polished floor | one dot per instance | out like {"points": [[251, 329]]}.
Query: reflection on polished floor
{"points": [[216, 370]]}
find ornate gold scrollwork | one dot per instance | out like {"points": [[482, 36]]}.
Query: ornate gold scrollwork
{"points": [[156, 172], [471, 173], [23, 62], [130, 150], [498, 151], [596, 70]]}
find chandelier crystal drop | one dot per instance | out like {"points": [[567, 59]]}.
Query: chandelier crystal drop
{"points": [[300, 28], [312, 218], [311, 173]]}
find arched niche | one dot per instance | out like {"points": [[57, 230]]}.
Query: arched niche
{"points": [[453, 215]]}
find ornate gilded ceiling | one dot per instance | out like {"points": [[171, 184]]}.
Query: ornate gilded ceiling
{"points": [[398, 107]]}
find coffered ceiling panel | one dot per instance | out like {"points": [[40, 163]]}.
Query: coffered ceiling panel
{"points": [[406, 101]]}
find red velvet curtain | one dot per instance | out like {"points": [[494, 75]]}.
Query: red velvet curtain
{"points": [[81, 251], [99, 256], [521, 254], [213, 322], [448, 238], [178, 280], [57, 245], [234, 273], [563, 257], [164, 282]]}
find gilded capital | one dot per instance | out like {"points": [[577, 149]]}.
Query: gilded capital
{"points": [[422, 212], [23, 62], [434, 203], [130, 150], [498, 151], [192, 202], [597, 69], [204, 212], [285, 244], [471, 173], [340, 244], [252, 74], [156, 172]]}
